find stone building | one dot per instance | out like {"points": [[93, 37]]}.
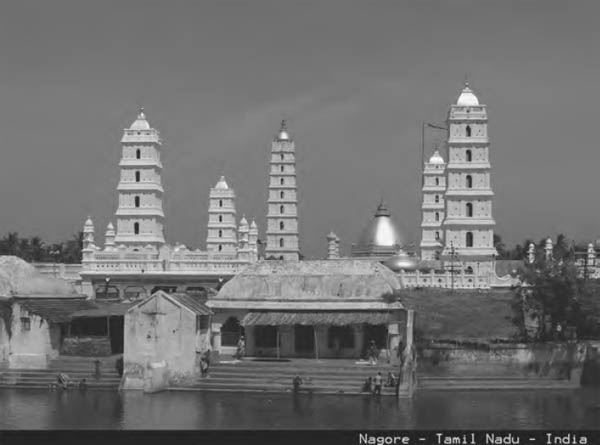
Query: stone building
{"points": [[328, 308], [173, 329]]}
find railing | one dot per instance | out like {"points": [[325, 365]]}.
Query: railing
{"points": [[446, 281], [69, 272]]}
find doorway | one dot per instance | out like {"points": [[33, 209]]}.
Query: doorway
{"points": [[378, 334], [304, 340], [116, 334]]}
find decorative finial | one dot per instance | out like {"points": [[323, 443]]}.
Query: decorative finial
{"points": [[283, 124], [466, 80], [141, 114]]}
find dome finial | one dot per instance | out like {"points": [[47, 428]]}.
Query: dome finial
{"points": [[283, 125], [283, 134], [141, 114]]}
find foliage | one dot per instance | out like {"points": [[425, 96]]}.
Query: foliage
{"points": [[556, 301], [34, 249]]}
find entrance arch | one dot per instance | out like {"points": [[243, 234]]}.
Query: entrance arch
{"points": [[231, 331]]}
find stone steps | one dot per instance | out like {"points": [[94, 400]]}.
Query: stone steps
{"points": [[77, 368]]}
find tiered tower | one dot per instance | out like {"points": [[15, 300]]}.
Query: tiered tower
{"points": [[282, 213], [244, 252], [222, 230], [140, 216], [433, 208], [469, 226]]}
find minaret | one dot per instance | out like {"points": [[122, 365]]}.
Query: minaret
{"points": [[88, 234], [433, 208], [109, 237], [244, 238], [531, 253], [548, 249], [282, 214], [333, 246], [222, 230], [253, 241], [140, 216], [469, 225]]}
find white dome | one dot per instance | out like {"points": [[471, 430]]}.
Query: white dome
{"points": [[140, 123], [436, 158], [467, 98], [222, 184]]}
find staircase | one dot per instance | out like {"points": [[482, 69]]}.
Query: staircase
{"points": [[77, 368], [323, 377]]}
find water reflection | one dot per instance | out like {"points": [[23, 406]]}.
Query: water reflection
{"points": [[192, 410]]}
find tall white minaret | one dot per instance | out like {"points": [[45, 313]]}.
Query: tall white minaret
{"points": [[433, 208], [222, 229], [469, 226], [140, 217], [282, 213]]}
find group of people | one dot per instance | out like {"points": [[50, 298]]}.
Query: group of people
{"points": [[374, 384]]}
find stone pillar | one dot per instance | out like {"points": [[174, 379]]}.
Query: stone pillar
{"points": [[358, 340], [216, 340], [250, 341], [322, 341], [409, 366], [394, 342]]}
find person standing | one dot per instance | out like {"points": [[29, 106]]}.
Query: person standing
{"points": [[378, 381], [373, 352], [241, 348]]}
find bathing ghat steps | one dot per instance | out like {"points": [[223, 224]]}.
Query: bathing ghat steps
{"points": [[77, 368]]}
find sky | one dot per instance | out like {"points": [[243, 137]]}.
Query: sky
{"points": [[354, 79]]}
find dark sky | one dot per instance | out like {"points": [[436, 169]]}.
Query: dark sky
{"points": [[354, 78]]}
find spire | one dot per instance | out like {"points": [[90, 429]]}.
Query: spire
{"points": [[467, 97], [222, 184], [382, 209], [141, 123], [283, 134]]}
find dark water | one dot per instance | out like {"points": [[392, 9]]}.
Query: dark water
{"points": [[22, 409]]}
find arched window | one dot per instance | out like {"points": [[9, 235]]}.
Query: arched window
{"points": [[220, 203], [220, 234], [231, 331], [469, 239], [437, 236], [137, 201], [469, 181], [280, 242], [220, 218], [437, 181], [437, 199], [281, 181], [469, 270], [437, 216], [469, 209], [137, 176], [469, 155], [282, 168], [220, 247], [281, 209], [138, 154], [282, 156], [281, 225], [468, 131], [136, 228], [281, 194]]}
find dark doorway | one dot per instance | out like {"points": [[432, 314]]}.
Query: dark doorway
{"points": [[231, 331], [377, 333], [304, 340], [116, 334]]}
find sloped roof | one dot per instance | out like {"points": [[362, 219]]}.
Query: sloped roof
{"points": [[55, 310], [190, 302], [193, 303], [104, 309], [327, 280], [328, 318]]}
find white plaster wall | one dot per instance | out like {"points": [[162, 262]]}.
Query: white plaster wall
{"points": [[32, 348]]}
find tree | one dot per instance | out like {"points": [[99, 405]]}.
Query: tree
{"points": [[503, 254], [555, 298]]}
